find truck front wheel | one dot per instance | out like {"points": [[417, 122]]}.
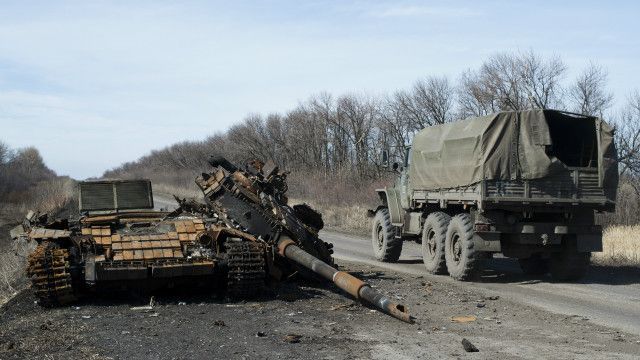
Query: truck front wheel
{"points": [[386, 247], [434, 233], [460, 254]]}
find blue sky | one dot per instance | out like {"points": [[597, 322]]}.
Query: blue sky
{"points": [[93, 84]]}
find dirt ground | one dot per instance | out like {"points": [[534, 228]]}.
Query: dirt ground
{"points": [[323, 324]]}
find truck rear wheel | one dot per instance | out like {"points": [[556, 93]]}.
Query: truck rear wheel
{"points": [[534, 265], [569, 264], [460, 254], [386, 247], [434, 234]]}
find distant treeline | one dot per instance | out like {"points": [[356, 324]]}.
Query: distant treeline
{"points": [[27, 183], [340, 138]]}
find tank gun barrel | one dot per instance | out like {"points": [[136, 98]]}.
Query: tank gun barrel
{"points": [[345, 281]]}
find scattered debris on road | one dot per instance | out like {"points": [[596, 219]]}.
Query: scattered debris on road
{"points": [[464, 319], [292, 338], [468, 346]]}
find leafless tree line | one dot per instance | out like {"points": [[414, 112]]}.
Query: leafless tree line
{"points": [[347, 133], [19, 171]]}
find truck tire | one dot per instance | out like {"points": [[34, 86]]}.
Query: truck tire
{"points": [[434, 233], [386, 247], [534, 265], [460, 254], [569, 264]]}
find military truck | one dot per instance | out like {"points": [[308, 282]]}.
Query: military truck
{"points": [[525, 184]]}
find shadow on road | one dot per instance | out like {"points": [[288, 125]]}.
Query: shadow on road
{"points": [[289, 291], [409, 261], [505, 270]]}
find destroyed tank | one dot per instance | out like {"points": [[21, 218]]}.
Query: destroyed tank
{"points": [[120, 240], [241, 236]]}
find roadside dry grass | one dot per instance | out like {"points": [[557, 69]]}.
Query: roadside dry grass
{"points": [[350, 219], [46, 196], [620, 246], [12, 269], [182, 192]]}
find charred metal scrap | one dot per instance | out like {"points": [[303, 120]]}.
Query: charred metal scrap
{"points": [[243, 235]]}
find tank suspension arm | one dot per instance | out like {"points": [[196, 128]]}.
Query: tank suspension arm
{"points": [[345, 281]]}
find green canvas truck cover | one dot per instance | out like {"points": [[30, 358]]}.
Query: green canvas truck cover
{"points": [[506, 146]]}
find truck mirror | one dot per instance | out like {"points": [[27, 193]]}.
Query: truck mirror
{"points": [[395, 166], [385, 158]]}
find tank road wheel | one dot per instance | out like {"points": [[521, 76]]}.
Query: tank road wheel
{"points": [[569, 264], [534, 265], [246, 269], [460, 255], [434, 233], [386, 247], [48, 269]]}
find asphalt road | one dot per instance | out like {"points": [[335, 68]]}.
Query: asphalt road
{"points": [[608, 296]]}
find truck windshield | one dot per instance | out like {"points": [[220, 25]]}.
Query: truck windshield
{"points": [[573, 138]]}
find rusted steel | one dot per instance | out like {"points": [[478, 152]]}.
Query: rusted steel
{"points": [[142, 215], [348, 283], [48, 268], [345, 281], [283, 243]]}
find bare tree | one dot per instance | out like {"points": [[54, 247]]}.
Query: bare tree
{"points": [[436, 96], [323, 108], [474, 99], [541, 79], [588, 94], [509, 81], [4, 153], [494, 87], [500, 76], [628, 136], [356, 116], [395, 127]]}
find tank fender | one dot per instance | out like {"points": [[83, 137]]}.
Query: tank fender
{"points": [[391, 200]]}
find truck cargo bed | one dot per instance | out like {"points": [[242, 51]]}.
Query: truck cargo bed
{"points": [[578, 186]]}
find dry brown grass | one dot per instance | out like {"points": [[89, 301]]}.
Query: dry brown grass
{"points": [[348, 218], [47, 196], [620, 246], [183, 192], [12, 269]]}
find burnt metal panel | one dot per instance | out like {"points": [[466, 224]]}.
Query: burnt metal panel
{"points": [[115, 195], [96, 196]]}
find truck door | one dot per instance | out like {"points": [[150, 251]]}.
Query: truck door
{"points": [[404, 180]]}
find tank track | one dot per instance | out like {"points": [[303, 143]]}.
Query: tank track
{"points": [[246, 269], [48, 268]]}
